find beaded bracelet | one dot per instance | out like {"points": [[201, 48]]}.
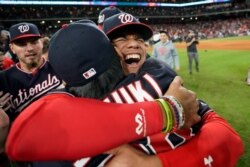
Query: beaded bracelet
{"points": [[178, 110], [168, 114]]}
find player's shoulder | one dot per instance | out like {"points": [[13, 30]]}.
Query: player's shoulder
{"points": [[47, 66], [8, 72]]}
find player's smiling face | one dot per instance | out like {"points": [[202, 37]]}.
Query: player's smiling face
{"points": [[131, 49], [28, 51]]}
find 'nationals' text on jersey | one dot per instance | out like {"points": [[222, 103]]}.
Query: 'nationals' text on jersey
{"points": [[25, 87]]}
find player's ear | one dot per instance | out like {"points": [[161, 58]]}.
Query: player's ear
{"points": [[118, 51], [11, 48]]}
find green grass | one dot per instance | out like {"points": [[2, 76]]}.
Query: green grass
{"points": [[242, 38], [221, 83]]}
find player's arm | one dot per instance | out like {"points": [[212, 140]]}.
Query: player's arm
{"points": [[128, 156], [4, 127], [67, 125], [61, 127], [216, 143], [4, 100]]}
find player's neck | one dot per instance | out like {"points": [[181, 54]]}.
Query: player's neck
{"points": [[31, 68]]}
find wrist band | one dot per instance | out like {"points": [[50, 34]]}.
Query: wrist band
{"points": [[178, 110], [168, 115]]}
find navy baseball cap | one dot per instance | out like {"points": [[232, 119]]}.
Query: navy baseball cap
{"points": [[23, 30], [106, 13], [80, 52], [122, 22]]}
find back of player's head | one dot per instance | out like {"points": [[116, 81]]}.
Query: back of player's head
{"points": [[23, 30], [106, 13], [80, 52], [117, 24]]}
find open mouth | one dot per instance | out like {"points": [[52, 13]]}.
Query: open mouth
{"points": [[132, 58]]}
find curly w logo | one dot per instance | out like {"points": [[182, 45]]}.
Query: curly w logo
{"points": [[24, 28], [126, 18]]}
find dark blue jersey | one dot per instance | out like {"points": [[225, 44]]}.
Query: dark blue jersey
{"points": [[26, 87], [151, 82]]}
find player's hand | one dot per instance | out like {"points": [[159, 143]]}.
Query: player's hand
{"points": [[4, 101], [188, 100], [4, 126], [127, 156]]}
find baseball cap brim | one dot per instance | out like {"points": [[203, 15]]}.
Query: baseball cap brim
{"points": [[144, 30], [25, 36]]}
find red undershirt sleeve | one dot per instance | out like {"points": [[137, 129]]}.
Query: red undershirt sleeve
{"points": [[217, 144], [61, 127]]}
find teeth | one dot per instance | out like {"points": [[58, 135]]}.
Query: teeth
{"points": [[132, 56]]}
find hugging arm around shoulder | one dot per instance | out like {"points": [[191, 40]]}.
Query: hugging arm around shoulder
{"points": [[62, 127]]}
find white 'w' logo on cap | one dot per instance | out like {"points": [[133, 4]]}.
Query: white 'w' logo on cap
{"points": [[126, 18], [24, 28]]}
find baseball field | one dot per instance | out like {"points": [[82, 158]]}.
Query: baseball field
{"points": [[224, 65]]}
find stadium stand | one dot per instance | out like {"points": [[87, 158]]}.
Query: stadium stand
{"points": [[222, 19]]}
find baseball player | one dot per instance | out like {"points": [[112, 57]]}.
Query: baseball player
{"points": [[29, 79], [146, 86], [128, 36], [32, 77], [106, 13]]}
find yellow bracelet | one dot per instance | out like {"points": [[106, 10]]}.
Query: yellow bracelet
{"points": [[169, 116]]}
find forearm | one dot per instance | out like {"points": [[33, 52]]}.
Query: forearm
{"points": [[66, 128], [128, 156]]}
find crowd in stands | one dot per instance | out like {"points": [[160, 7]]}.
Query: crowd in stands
{"points": [[188, 18], [15, 12], [205, 30]]}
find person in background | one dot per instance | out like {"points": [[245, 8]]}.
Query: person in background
{"points": [[5, 62], [192, 52], [248, 77], [5, 41], [106, 13], [31, 77], [1, 60], [45, 41], [165, 50]]}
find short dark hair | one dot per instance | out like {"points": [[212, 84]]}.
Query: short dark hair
{"points": [[163, 31]]}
